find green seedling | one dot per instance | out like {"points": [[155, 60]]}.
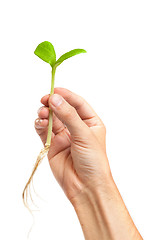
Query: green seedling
{"points": [[46, 52]]}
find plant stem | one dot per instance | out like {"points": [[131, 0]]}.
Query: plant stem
{"points": [[48, 142]]}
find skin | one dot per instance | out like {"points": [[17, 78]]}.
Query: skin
{"points": [[79, 162]]}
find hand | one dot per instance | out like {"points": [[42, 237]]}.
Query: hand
{"points": [[77, 154], [78, 160]]}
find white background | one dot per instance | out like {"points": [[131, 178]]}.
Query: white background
{"points": [[119, 76]]}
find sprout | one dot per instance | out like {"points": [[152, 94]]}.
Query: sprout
{"points": [[46, 52]]}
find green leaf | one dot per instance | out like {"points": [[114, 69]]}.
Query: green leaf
{"points": [[69, 54], [46, 52]]}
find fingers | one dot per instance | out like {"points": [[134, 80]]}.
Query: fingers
{"points": [[57, 125], [59, 142], [84, 110], [60, 138], [68, 115], [44, 100], [41, 128]]}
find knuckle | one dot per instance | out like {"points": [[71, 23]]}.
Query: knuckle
{"points": [[70, 113]]}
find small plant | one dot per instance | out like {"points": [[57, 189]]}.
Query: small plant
{"points": [[46, 52]]}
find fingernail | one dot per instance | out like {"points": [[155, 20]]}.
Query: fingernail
{"points": [[38, 122], [56, 100]]}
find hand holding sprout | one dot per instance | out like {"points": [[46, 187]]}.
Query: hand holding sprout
{"points": [[78, 159]]}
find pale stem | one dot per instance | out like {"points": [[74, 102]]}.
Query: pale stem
{"points": [[48, 142]]}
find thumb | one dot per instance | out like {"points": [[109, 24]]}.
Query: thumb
{"points": [[68, 115]]}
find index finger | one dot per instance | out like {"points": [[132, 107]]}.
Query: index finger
{"points": [[84, 110]]}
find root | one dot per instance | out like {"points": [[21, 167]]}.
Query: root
{"points": [[40, 157]]}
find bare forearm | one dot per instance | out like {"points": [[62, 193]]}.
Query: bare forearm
{"points": [[103, 215]]}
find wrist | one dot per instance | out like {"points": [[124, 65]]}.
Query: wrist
{"points": [[92, 193], [89, 209], [102, 213]]}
